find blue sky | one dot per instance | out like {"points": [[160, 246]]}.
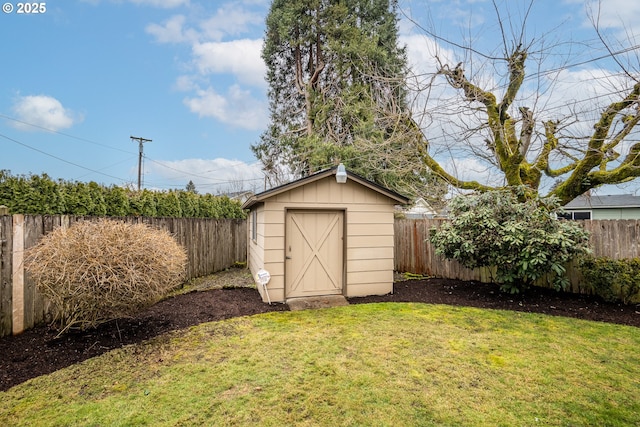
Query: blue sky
{"points": [[79, 79]]}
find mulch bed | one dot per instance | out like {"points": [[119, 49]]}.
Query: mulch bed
{"points": [[37, 352]]}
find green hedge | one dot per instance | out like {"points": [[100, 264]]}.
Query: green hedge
{"points": [[613, 280], [41, 195]]}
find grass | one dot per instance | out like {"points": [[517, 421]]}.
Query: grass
{"points": [[372, 364]]}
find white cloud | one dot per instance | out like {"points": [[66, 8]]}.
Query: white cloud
{"points": [[172, 31], [230, 19], [238, 57], [584, 90], [165, 4], [423, 54], [614, 13], [472, 169], [209, 175], [43, 111], [237, 108], [235, 61], [186, 83]]}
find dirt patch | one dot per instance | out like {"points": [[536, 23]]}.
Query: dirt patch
{"points": [[231, 294]]}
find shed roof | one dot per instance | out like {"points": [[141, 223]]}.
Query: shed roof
{"points": [[604, 202], [257, 198]]}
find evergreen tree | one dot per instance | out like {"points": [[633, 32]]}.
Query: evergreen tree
{"points": [[191, 187], [189, 205], [78, 198], [96, 192], [168, 204], [335, 71], [116, 200], [31, 194], [142, 203]]}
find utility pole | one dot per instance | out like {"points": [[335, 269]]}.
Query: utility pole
{"points": [[140, 142]]}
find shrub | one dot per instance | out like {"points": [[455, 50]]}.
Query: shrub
{"points": [[523, 241], [613, 280], [39, 194], [94, 272]]}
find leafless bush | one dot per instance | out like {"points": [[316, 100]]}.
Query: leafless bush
{"points": [[94, 272]]}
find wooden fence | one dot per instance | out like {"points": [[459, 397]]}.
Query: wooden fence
{"points": [[211, 245], [615, 239]]}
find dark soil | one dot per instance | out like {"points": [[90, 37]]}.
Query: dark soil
{"points": [[37, 351]]}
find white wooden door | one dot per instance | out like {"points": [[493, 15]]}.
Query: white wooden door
{"points": [[314, 253]]}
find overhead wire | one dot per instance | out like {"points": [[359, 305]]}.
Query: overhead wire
{"points": [[60, 158], [64, 134], [160, 163]]}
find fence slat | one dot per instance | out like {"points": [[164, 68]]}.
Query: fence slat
{"points": [[17, 282], [6, 288]]}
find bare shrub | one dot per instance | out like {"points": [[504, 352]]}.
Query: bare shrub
{"points": [[94, 272]]}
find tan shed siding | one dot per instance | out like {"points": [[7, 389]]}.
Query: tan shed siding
{"points": [[276, 284], [369, 253], [255, 260], [273, 242], [273, 215], [376, 288], [368, 217], [367, 241], [374, 278], [256, 248], [273, 256], [360, 265], [266, 251], [370, 246], [275, 268], [327, 191], [368, 229], [274, 250], [276, 294]]}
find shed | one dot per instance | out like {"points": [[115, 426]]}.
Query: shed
{"points": [[316, 236]]}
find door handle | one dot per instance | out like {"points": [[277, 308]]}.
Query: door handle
{"points": [[287, 257]]}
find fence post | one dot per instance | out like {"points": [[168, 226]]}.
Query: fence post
{"points": [[18, 274], [4, 210]]}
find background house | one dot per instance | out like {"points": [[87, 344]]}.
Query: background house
{"points": [[621, 206], [421, 209], [317, 236]]}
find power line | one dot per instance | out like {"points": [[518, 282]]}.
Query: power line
{"points": [[60, 159], [191, 174], [64, 134]]}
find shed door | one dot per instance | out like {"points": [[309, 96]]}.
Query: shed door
{"points": [[313, 253]]}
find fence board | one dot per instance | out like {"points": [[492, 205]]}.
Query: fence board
{"points": [[6, 279], [32, 233], [17, 282]]}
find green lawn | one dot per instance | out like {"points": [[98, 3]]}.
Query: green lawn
{"points": [[362, 365]]}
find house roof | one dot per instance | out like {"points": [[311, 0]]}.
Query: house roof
{"points": [[604, 202], [421, 206], [257, 198]]}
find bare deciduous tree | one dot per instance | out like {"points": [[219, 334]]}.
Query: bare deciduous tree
{"points": [[498, 108]]}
